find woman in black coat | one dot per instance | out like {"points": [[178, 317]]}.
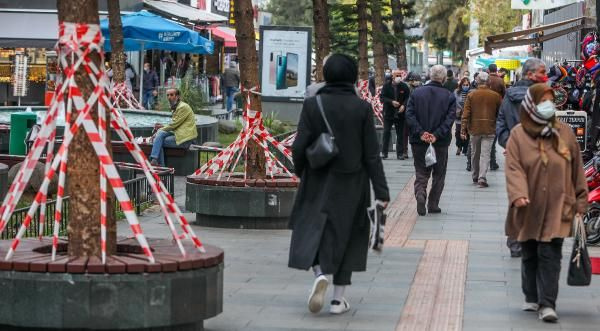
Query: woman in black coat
{"points": [[329, 220]]}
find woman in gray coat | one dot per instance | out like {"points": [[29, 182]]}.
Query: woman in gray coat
{"points": [[329, 220]]}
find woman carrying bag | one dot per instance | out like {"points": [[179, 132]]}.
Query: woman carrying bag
{"points": [[546, 190], [329, 219]]}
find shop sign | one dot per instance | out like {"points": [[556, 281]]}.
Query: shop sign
{"points": [[231, 15], [220, 7], [540, 4], [578, 122]]}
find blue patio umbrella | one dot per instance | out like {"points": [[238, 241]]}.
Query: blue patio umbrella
{"points": [[144, 30]]}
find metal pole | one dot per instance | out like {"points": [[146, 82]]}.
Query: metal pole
{"points": [[142, 78]]}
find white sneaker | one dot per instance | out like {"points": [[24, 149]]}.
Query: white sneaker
{"points": [[338, 307], [530, 306], [317, 294], [548, 314]]}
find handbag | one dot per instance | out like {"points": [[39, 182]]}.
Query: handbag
{"points": [[580, 266], [324, 149], [377, 218]]}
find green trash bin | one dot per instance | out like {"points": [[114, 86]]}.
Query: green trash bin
{"points": [[20, 123]]}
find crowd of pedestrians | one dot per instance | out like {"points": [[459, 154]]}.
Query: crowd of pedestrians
{"points": [[546, 186]]}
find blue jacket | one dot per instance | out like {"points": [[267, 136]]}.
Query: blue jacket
{"points": [[431, 108], [508, 115]]}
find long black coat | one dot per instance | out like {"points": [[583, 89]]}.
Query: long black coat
{"points": [[394, 92], [329, 216]]}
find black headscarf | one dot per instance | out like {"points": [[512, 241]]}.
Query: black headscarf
{"points": [[340, 68]]}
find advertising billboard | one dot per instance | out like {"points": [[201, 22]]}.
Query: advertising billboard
{"points": [[285, 62]]}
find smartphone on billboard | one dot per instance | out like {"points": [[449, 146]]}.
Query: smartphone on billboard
{"points": [[280, 83], [292, 70], [272, 67]]}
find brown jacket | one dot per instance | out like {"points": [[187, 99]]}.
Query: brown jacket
{"points": [[556, 191], [497, 84], [480, 112]]}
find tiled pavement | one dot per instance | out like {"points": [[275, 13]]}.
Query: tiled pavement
{"points": [[261, 293]]}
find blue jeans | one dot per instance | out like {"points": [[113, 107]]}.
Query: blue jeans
{"points": [[148, 99], [162, 139], [230, 91]]}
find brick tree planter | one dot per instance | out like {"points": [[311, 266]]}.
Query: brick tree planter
{"points": [[235, 203], [128, 293]]}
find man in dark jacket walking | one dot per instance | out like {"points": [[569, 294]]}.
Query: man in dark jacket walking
{"points": [[394, 96], [430, 114], [231, 82], [451, 84], [533, 71], [150, 86]]}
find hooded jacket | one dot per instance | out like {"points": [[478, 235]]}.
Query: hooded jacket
{"points": [[508, 115]]}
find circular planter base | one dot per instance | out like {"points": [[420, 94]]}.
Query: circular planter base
{"points": [[235, 203], [126, 293]]}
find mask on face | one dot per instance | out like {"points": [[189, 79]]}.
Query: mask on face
{"points": [[465, 88], [397, 80], [388, 74], [546, 109]]}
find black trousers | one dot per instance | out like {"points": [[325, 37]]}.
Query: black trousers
{"points": [[398, 124], [540, 271], [423, 173], [493, 152], [341, 277], [461, 144]]}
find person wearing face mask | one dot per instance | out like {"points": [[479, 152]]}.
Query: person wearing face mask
{"points": [[181, 132], [546, 188], [461, 95], [150, 86], [533, 71], [394, 96], [479, 121]]}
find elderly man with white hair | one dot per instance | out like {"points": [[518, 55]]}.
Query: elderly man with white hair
{"points": [[479, 121], [430, 114]]}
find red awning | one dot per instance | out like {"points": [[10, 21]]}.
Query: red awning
{"points": [[226, 34]]}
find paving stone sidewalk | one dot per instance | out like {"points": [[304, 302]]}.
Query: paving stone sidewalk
{"points": [[261, 293]]}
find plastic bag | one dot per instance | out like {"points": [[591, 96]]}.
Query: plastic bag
{"points": [[430, 158]]}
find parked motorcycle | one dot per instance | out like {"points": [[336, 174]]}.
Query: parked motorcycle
{"points": [[591, 219]]}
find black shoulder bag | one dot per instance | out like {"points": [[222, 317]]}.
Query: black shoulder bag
{"points": [[324, 149]]}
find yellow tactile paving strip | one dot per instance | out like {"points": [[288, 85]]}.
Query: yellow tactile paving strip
{"points": [[436, 297]]}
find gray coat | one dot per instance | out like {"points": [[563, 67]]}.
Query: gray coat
{"points": [[329, 218]]}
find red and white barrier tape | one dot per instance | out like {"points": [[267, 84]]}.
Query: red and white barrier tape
{"points": [[76, 41], [375, 101], [122, 94]]}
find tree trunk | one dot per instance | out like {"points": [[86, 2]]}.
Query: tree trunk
{"points": [[248, 61], [117, 59], [321, 23], [83, 185], [363, 55], [400, 38], [378, 50]]}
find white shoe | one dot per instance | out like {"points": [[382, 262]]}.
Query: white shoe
{"points": [[338, 307], [530, 306], [317, 294], [548, 314]]}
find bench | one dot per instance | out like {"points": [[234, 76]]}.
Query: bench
{"points": [[185, 161]]}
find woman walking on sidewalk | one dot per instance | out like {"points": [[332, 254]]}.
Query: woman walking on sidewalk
{"points": [[463, 88], [546, 189], [329, 219]]}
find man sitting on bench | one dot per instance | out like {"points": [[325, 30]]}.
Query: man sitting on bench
{"points": [[181, 132]]}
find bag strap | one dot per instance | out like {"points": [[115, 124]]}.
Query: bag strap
{"points": [[320, 104]]}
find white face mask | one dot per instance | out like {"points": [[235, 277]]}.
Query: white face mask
{"points": [[397, 80], [546, 109]]}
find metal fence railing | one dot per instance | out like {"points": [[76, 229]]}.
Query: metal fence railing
{"points": [[135, 183]]}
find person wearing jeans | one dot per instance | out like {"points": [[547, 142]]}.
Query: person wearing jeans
{"points": [[231, 81], [181, 132], [479, 121], [151, 83]]}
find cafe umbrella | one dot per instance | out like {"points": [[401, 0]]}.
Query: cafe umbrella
{"points": [[144, 30]]}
